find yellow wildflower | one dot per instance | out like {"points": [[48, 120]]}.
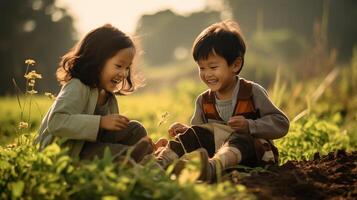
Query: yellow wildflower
{"points": [[30, 62], [33, 75], [23, 125], [11, 145], [32, 82], [50, 95], [164, 117], [32, 92]]}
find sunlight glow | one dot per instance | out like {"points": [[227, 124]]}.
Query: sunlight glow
{"points": [[89, 14]]}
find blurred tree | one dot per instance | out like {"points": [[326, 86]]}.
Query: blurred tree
{"points": [[166, 36], [300, 17], [35, 29]]}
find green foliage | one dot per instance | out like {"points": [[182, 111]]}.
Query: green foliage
{"points": [[51, 174], [310, 135]]}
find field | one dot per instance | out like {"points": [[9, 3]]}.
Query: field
{"points": [[317, 154]]}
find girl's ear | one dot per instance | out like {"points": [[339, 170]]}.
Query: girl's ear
{"points": [[237, 64]]}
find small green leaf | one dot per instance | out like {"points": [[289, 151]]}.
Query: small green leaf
{"points": [[17, 188]]}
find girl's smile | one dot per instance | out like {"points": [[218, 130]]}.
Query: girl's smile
{"points": [[115, 70]]}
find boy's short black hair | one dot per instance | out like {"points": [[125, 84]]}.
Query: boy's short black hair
{"points": [[224, 39]]}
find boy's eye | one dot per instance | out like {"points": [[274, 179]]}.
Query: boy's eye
{"points": [[213, 67], [119, 66]]}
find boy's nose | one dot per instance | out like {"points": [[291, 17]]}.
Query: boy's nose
{"points": [[208, 75]]}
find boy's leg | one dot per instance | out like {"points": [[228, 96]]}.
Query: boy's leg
{"points": [[239, 149], [192, 139], [241, 145]]}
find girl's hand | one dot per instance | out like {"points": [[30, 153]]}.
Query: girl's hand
{"points": [[239, 124], [114, 122], [177, 128]]}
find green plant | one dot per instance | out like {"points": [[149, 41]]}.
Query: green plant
{"points": [[310, 135]]}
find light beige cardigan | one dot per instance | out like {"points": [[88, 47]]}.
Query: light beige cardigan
{"points": [[71, 117]]}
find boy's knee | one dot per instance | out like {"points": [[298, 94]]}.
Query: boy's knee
{"points": [[240, 139], [245, 144]]}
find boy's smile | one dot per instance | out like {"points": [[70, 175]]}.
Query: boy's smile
{"points": [[218, 76]]}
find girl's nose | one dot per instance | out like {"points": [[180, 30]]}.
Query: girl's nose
{"points": [[126, 73], [122, 73]]}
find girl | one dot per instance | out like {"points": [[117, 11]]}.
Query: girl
{"points": [[85, 114]]}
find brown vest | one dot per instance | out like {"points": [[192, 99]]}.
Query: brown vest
{"points": [[244, 105]]}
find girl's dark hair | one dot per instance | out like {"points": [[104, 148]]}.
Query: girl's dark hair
{"points": [[224, 39], [87, 58]]}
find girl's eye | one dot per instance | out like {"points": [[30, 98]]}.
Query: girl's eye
{"points": [[118, 66]]}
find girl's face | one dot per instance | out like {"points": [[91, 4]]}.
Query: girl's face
{"points": [[116, 69], [218, 75]]}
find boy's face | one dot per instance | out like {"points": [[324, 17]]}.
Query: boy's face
{"points": [[218, 75]]}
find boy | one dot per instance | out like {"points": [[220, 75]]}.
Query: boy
{"points": [[234, 120]]}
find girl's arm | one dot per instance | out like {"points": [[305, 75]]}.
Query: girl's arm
{"points": [[273, 123], [67, 118]]}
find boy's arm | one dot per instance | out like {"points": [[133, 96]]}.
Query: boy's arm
{"points": [[196, 119], [273, 123], [198, 116]]}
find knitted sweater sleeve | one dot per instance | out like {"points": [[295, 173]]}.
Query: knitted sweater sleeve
{"points": [[273, 123], [198, 115]]}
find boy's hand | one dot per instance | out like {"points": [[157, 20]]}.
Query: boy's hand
{"points": [[162, 142], [239, 124], [114, 122], [177, 128]]}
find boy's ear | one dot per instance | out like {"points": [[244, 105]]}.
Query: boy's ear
{"points": [[237, 64]]}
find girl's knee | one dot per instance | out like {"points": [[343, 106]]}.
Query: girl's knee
{"points": [[137, 129]]}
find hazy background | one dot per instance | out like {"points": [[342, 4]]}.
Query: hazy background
{"points": [[302, 38], [303, 52]]}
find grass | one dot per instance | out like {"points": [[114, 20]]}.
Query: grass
{"points": [[323, 109]]}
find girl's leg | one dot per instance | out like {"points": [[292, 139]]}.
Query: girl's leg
{"points": [[129, 136], [91, 150], [119, 142]]}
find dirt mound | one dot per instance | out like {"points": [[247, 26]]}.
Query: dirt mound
{"points": [[333, 176]]}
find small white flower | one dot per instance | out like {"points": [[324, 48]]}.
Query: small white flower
{"points": [[23, 125]]}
